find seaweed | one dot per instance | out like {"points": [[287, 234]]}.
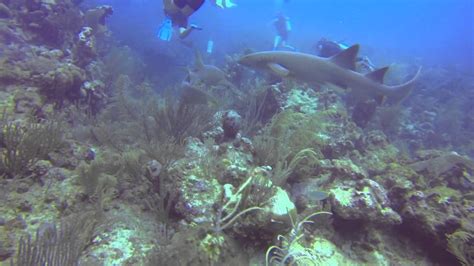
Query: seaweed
{"points": [[285, 167], [158, 126], [286, 143], [96, 184], [254, 115], [460, 244], [180, 120], [55, 246], [25, 144]]}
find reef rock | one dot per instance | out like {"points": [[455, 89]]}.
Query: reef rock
{"points": [[62, 82], [85, 51], [95, 18], [302, 101], [231, 123], [363, 200]]}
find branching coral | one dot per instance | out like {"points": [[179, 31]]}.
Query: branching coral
{"points": [[226, 215], [285, 253]]}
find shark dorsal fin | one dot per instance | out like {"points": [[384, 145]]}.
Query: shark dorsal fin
{"points": [[377, 75], [346, 58], [198, 64]]}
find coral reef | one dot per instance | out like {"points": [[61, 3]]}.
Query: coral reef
{"points": [[101, 164]]}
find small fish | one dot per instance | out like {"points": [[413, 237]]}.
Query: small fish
{"points": [[317, 195], [309, 190]]}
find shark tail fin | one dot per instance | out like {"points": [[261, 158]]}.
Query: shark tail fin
{"points": [[400, 92], [198, 63]]}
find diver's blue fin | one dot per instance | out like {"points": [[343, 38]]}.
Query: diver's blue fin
{"points": [[210, 46], [165, 32]]}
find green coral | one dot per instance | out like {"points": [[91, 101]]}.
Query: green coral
{"points": [[211, 245], [300, 101], [344, 196]]}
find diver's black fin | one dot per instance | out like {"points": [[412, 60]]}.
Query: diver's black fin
{"points": [[346, 58], [377, 75]]}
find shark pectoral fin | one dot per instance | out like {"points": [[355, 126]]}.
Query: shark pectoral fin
{"points": [[377, 75], [335, 87], [346, 58], [279, 69]]}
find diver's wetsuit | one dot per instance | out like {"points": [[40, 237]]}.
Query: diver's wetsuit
{"points": [[179, 10], [282, 27], [326, 48]]}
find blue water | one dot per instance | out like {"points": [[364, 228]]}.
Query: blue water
{"points": [[422, 32]]}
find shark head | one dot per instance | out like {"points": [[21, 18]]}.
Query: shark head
{"points": [[256, 60]]}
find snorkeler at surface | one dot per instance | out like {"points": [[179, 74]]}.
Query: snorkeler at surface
{"points": [[328, 48], [177, 13], [283, 27]]}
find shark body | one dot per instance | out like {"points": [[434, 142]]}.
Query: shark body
{"points": [[338, 70], [209, 75]]}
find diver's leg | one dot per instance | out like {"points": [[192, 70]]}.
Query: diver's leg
{"points": [[184, 32], [195, 4], [287, 46], [276, 42]]}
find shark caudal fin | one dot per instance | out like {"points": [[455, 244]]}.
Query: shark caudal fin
{"points": [[400, 92]]}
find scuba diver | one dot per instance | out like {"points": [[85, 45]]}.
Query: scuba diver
{"points": [[328, 48], [177, 13], [283, 27]]}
